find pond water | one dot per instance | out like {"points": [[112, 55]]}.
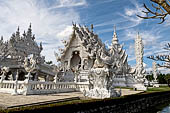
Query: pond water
{"points": [[165, 110]]}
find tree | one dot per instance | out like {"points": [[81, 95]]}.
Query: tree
{"points": [[167, 77], [161, 79], [149, 77], [162, 9], [163, 58]]}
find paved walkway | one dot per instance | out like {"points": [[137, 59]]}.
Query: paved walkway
{"points": [[128, 91], [7, 100]]}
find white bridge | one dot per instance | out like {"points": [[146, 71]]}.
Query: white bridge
{"points": [[38, 87]]}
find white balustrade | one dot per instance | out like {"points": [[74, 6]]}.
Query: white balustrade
{"points": [[8, 86], [37, 87]]}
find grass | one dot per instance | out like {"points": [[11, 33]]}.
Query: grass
{"points": [[159, 89], [125, 88]]}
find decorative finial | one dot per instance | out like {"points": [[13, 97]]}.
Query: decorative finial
{"points": [[29, 32], [91, 27], [74, 26], [114, 40], [17, 32], [18, 29], [24, 34], [41, 48], [114, 29], [30, 26]]}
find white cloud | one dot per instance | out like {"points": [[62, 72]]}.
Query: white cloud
{"points": [[49, 26], [128, 20], [144, 65], [130, 13], [164, 70], [66, 32], [68, 3]]}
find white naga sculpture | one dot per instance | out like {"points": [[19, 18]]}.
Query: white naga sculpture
{"points": [[101, 78], [140, 71]]}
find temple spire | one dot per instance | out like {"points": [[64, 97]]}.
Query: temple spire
{"points": [[17, 32], [139, 55], [24, 34], [29, 32], [115, 39], [92, 28]]}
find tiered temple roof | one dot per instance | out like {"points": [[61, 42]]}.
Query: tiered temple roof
{"points": [[14, 51], [89, 40], [20, 46], [93, 45], [120, 56]]}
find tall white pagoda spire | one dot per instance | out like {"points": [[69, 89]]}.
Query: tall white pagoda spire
{"points": [[139, 56], [114, 39], [139, 52], [140, 71]]}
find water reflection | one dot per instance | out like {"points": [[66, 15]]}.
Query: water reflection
{"points": [[165, 110]]}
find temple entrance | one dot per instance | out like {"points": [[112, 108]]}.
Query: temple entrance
{"points": [[75, 62], [21, 76]]}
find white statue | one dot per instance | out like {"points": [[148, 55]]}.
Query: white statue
{"points": [[101, 80], [4, 70]]}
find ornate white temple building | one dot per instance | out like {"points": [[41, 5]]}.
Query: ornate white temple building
{"points": [[85, 64], [84, 47], [14, 51]]}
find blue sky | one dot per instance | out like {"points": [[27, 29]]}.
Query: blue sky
{"points": [[52, 19]]}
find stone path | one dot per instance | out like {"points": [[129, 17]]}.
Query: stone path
{"points": [[7, 100], [128, 91]]}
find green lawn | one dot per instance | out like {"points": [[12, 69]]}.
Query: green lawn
{"points": [[162, 88], [124, 88]]}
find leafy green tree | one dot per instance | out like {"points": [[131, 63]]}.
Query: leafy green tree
{"points": [[167, 77], [161, 79], [149, 77]]}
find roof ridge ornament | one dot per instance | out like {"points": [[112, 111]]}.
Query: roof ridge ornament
{"points": [[17, 32], [92, 28], [114, 39]]}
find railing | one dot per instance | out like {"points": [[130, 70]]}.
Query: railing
{"points": [[37, 87], [9, 86]]}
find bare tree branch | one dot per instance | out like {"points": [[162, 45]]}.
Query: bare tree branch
{"points": [[167, 47], [161, 11], [164, 58]]}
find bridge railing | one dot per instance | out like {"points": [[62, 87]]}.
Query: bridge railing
{"points": [[38, 87]]}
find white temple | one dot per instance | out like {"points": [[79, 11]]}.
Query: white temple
{"points": [[86, 65]]}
